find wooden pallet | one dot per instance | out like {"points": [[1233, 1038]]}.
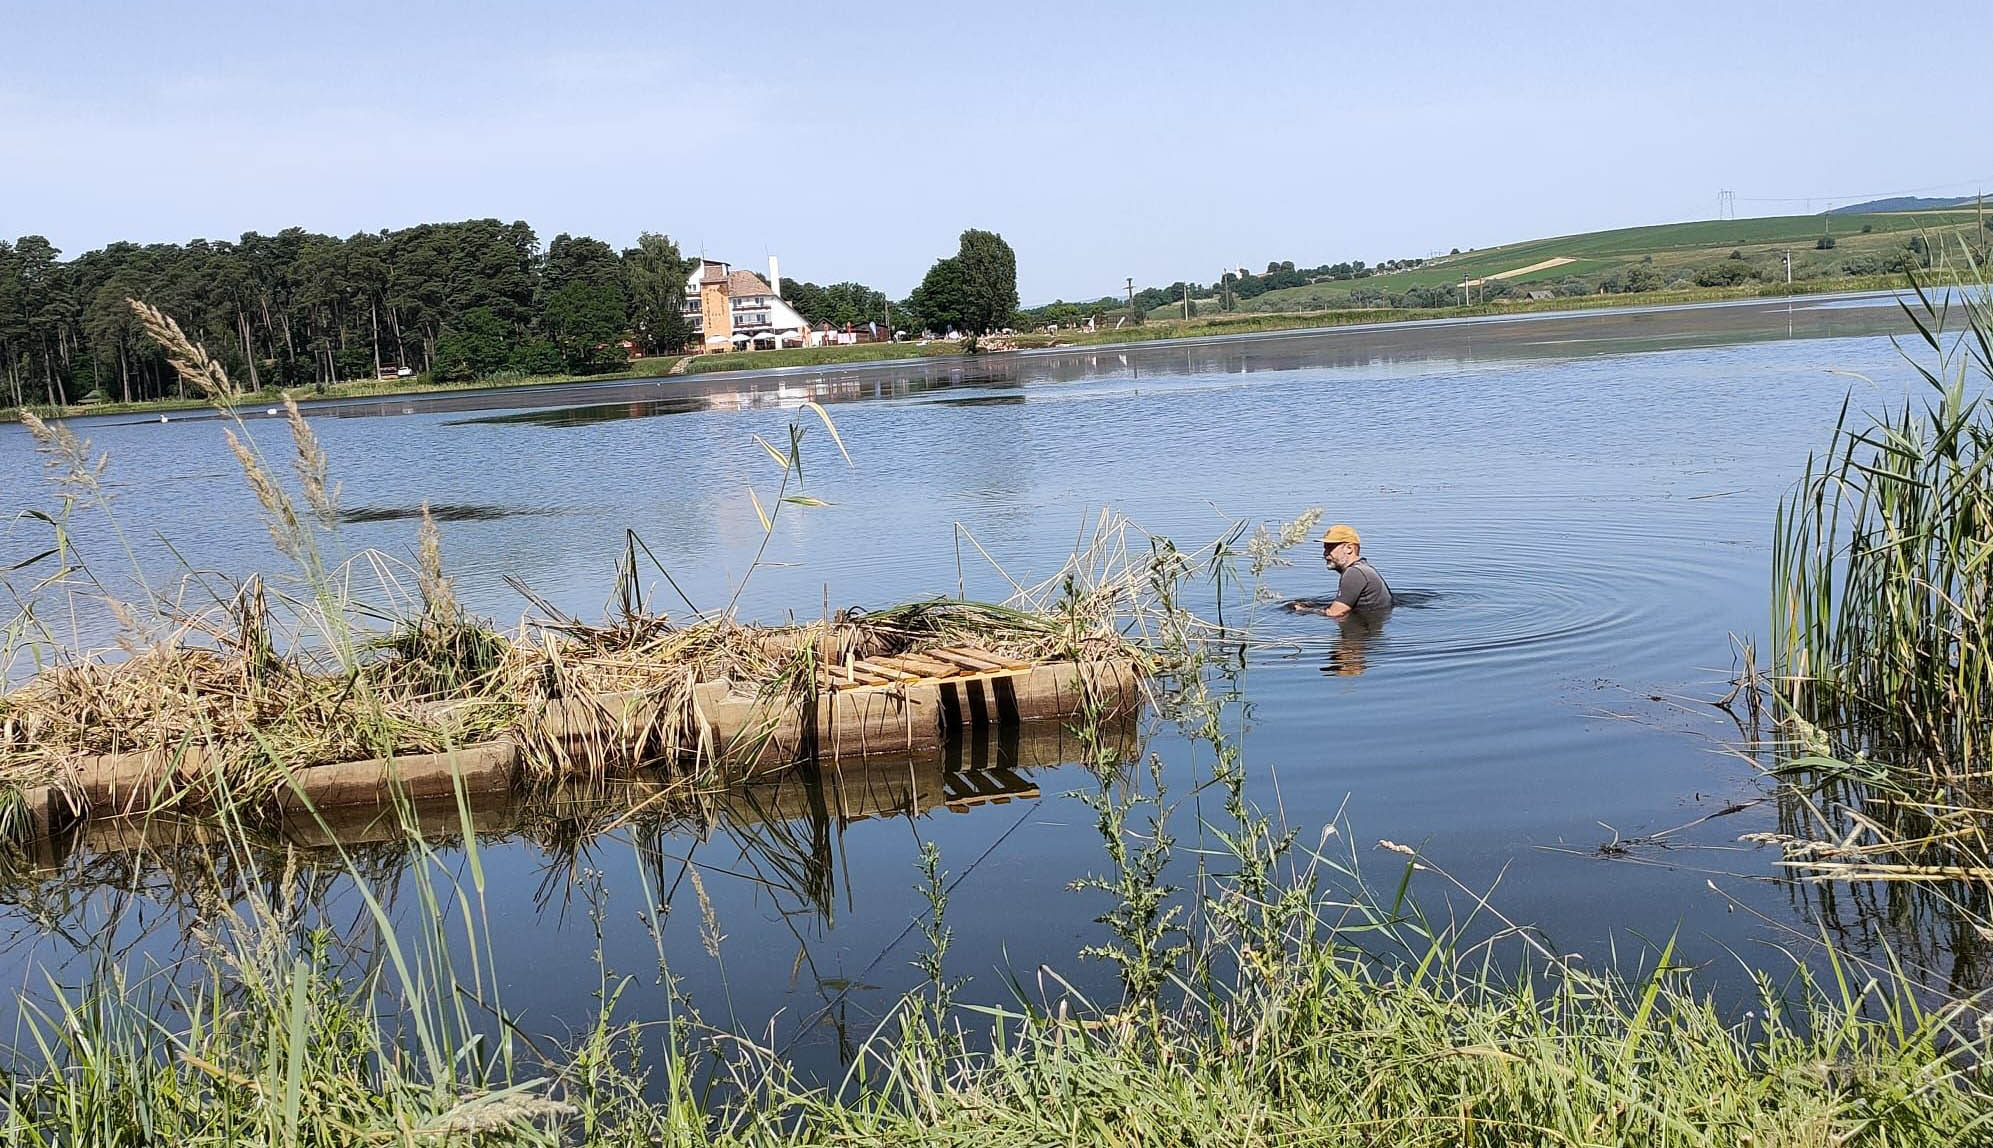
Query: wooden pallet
{"points": [[925, 667]]}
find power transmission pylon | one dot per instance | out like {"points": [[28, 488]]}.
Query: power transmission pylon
{"points": [[1726, 205]]}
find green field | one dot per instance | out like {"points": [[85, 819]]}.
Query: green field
{"points": [[1676, 250]]}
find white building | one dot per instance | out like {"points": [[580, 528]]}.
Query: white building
{"points": [[738, 310]]}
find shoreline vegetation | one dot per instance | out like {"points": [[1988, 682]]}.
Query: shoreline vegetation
{"points": [[1156, 328], [1275, 984]]}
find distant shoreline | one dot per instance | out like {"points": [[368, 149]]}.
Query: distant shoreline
{"points": [[748, 363]]}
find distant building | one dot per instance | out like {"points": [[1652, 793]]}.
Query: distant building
{"points": [[733, 310], [825, 335]]}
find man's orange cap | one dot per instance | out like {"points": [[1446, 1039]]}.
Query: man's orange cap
{"points": [[1340, 533]]}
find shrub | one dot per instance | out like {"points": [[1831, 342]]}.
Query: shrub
{"points": [[1826, 243], [538, 357], [1725, 274]]}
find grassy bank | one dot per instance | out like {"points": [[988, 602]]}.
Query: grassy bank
{"points": [[1322, 1016], [1160, 327]]}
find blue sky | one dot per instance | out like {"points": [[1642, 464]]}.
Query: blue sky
{"points": [[1160, 141]]}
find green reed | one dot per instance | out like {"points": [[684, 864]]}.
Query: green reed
{"points": [[1882, 591]]}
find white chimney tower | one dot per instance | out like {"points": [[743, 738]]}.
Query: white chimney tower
{"points": [[775, 276]]}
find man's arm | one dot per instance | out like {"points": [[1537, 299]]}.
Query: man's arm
{"points": [[1347, 592]]}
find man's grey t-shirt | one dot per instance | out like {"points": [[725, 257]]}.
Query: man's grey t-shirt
{"points": [[1363, 588]]}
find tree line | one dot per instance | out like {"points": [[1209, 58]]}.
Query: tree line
{"points": [[299, 310], [971, 292], [1224, 292]]}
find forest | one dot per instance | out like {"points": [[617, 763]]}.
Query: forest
{"points": [[299, 310]]}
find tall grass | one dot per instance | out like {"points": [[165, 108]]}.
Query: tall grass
{"points": [[1882, 627], [1882, 588], [1292, 1000]]}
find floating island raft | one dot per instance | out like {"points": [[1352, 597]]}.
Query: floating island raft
{"points": [[970, 769], [448, 710]]}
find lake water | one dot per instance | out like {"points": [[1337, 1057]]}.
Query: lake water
{"points": [[1582, 505]]}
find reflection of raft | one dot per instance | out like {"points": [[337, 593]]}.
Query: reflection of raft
{"points": [[908, 704], [967, 769]]}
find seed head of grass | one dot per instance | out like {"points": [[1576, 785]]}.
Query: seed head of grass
{"points": [[65, 454], [313, 471], [439, 603], [286, 530]]}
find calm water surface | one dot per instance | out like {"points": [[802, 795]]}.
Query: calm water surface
{"points": [[1583, 504]]}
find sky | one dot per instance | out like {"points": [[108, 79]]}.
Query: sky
{"points": [[1161, 141]]}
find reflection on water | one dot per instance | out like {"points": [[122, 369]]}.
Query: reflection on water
{"points": [[787, 827], [1360, 628]]}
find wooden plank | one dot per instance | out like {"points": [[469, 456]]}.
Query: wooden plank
{"points": [[920, 664], [889, 673], [858, 675], [995, 659], [965, 660]]}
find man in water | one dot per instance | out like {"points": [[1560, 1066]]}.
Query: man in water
{"points": [[1362, 588], [1362, 601]]}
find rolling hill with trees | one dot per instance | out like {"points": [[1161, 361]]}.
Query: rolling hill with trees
{"points": [[1710, 253]]}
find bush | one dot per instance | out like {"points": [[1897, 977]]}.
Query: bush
{"points": [[1736, 253], [1725, 274], [1826, 243], [1641, 277], [538, 357], [1867, 227]]}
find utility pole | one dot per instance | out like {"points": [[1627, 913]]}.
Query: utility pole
{"points": [[1131, 297], [1186, 301]]}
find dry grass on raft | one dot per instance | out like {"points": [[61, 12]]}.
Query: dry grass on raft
{"points": [[250, 719], [255, 716]]}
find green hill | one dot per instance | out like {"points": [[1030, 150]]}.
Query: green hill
{"points": [[1676, 252]]}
